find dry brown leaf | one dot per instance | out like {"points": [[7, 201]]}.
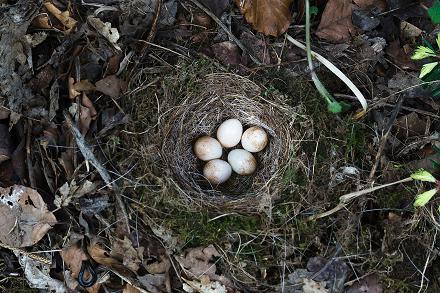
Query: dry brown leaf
{"points": [[24, 216], [365, 4], [72, 92], [336, 25], [130, 289], [89, 104], [270, 17], [62, 16], [42, 21], [131, 257], [84, 85], [110, 85], [104, 258], [399, 57], [197, 263], [73, 257]]}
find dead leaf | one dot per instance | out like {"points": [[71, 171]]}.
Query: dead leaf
{"points": [[89, 105], [270, 17], [63, 17], [399, 57], [216, 6], [410, 125], [73, 257], [72, 92], [367, 4], [106, 30], [24, 214], [336, 25], [198, 262], [130, 289], [5, 143], [42, 21], [154, 283], [204, 287], [409, 31], [104, 258], [110, 86], [311, 286], [369, 284], [131, 257], [4, 113], [38, 275], [227, 52], [84, 85]]}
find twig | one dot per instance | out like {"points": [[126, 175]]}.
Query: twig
{"points": [[36, 257], [28, 154], [347, 198], [153, 29], [230, 34], [427, 261], [89, 156], [384, 138]]}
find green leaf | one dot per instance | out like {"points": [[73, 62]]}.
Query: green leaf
{"points": [[434, 12], [427, 68], [438, 40], [422, 52], [334, 107], [423, 175], [423, 198]]}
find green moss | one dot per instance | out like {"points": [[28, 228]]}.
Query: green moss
{"points": [[201, 228]]}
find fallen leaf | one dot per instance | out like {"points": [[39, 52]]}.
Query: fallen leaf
{"points": [[4, 113], [106, 30], [270, 17], [311, 286], [216, 6], [38, 275], [24, 214], [72, 92], [369, 284], [204, 287], [84, 85], [410, 125], [130, 289], [110, 86], [5, 143], [131, 257], [399, 57], [368, 4], [73, 256], [42, 21], [336, 25], [154, 283], [198, 262], [89, 105], [63, 17], [409, 31], [227, 52], [103, 257]]}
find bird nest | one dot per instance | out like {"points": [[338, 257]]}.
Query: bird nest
{"points": [[216, 98]]}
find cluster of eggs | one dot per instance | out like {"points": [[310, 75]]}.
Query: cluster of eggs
{"points": [[241, 161]]}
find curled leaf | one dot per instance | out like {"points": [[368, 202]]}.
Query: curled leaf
{"points": [[422, 199], [423, 175], [270, 17]]}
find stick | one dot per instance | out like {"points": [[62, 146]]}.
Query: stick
{"points": [[89, 156], [384, 138], [347, 198]]}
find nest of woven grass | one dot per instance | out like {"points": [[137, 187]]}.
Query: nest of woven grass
{"points": [[218, 97]]}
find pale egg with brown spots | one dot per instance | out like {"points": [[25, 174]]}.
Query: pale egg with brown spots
{"points": [[217, 171], [254, 139], [242, 162], [207, 148]]}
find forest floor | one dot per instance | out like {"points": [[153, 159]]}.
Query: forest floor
{"points": [[101, 103]]}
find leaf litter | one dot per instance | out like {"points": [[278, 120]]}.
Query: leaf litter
{"points": [[111, 67]]}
